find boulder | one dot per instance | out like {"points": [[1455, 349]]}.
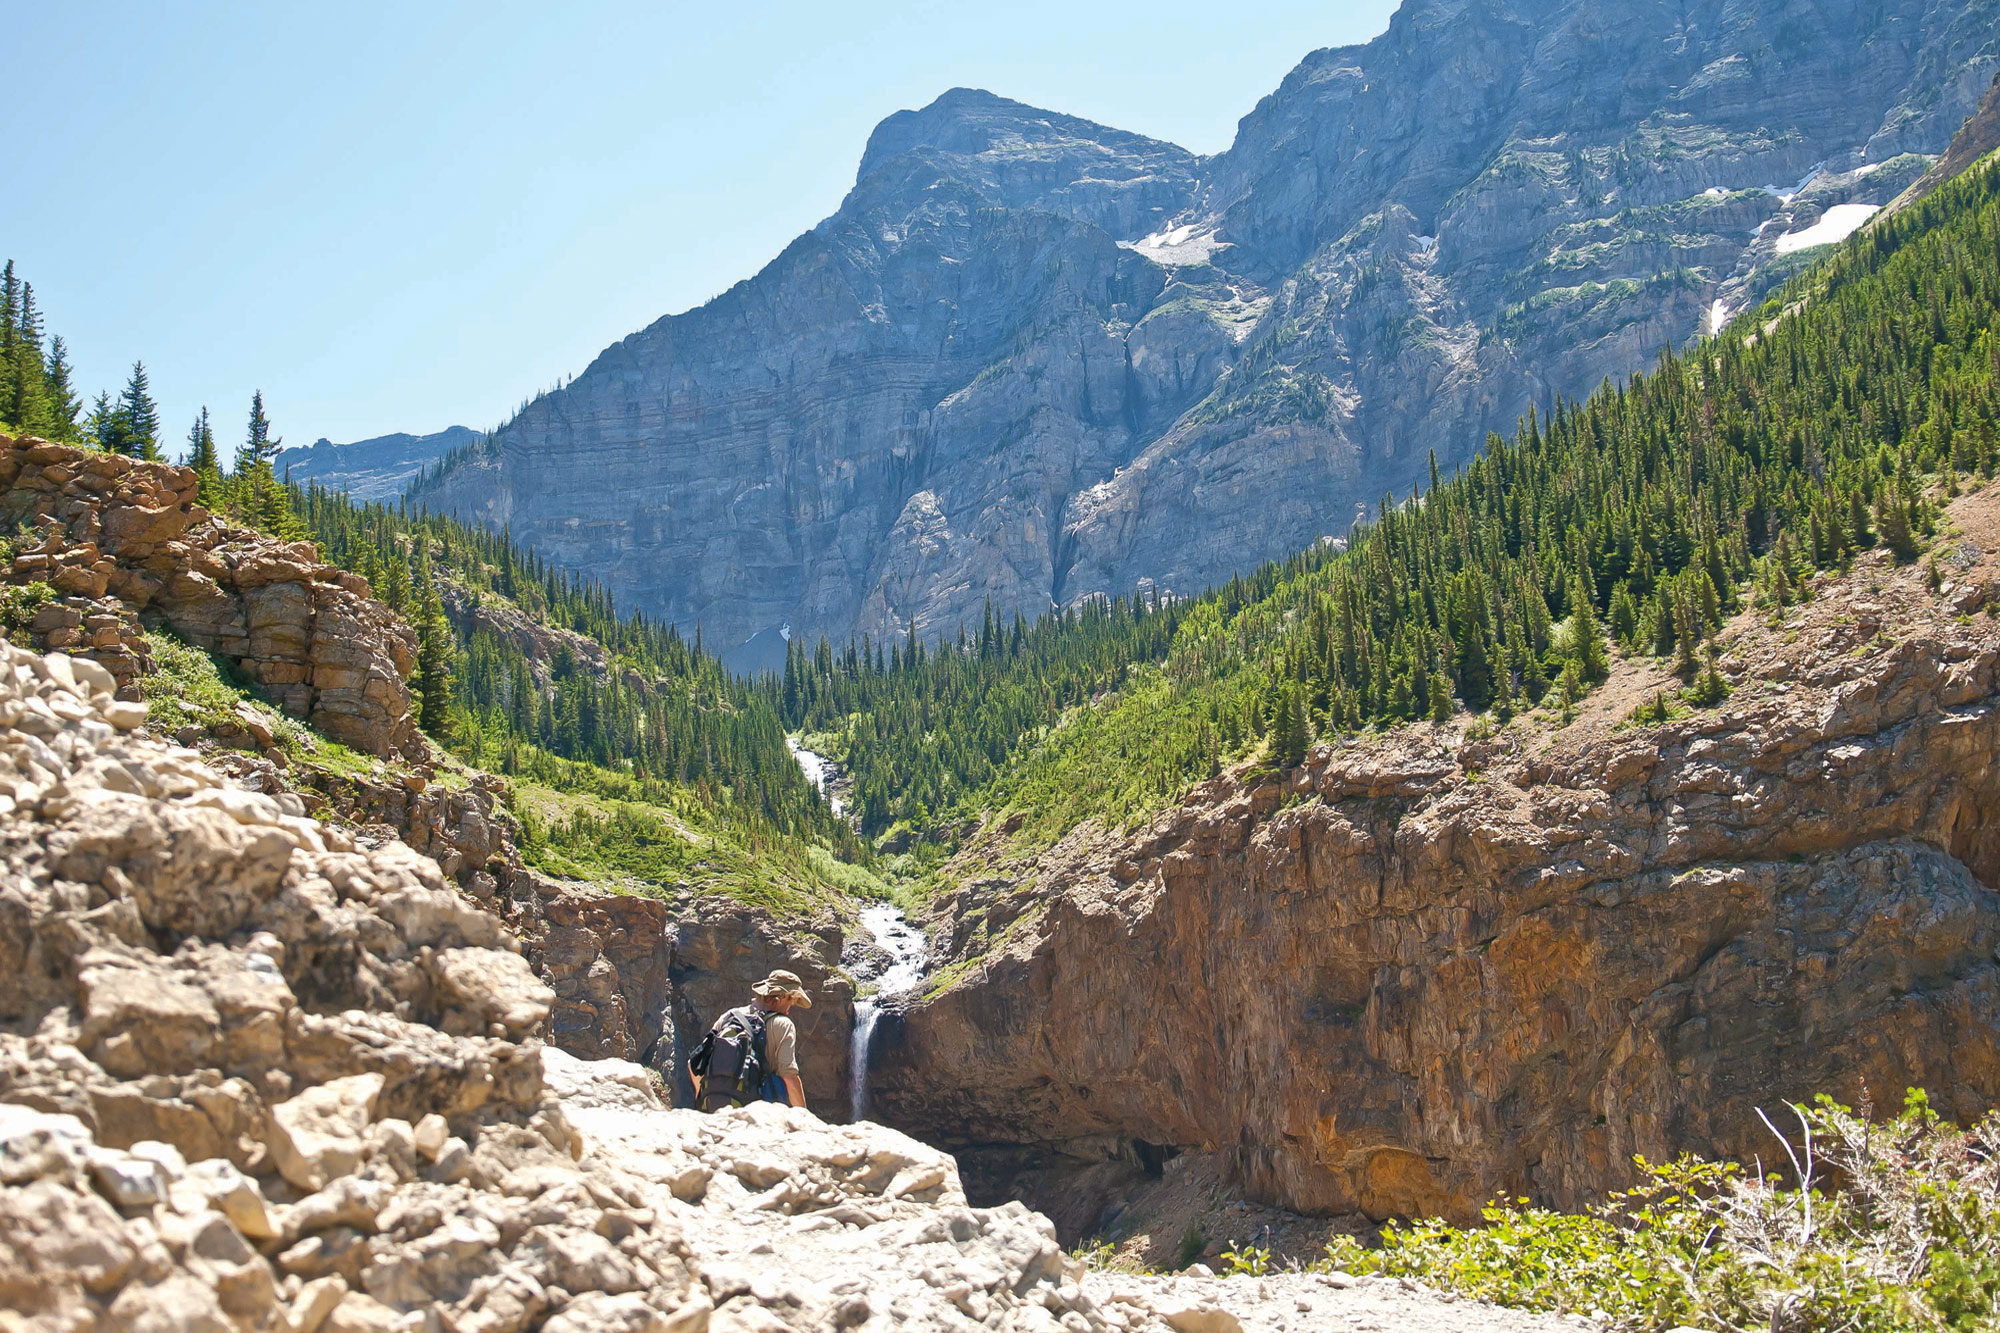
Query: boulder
{"points": [[318, 1135]]}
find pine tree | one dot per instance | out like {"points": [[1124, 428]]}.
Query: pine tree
{"points": [[27, 377], [1710, 688], [1892, 522], [1624, 617], [1586, 639], [138, 417], [1288, 728], [434, 654], [102, 427], [1470, 636], [203, 447], [1440, 699], [10, 316], [1860, 536], [258, 446]]}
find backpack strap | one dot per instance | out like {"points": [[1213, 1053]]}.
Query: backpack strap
{"points": [[753, 1020]]}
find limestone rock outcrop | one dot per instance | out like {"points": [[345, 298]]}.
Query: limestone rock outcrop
{"points": [[1427, 969], [308, 634], [1031, 360]]}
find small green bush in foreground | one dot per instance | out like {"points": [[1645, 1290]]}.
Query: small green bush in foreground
{"points": [[1910, 1241]]}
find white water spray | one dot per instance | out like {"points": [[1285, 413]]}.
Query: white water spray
{"points": [[908, 952]]}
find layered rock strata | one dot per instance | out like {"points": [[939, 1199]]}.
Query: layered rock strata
{"points": [[307, 634], [1427, 969]]}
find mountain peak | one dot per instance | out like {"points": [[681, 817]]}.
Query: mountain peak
{"points": [[972, 122]]}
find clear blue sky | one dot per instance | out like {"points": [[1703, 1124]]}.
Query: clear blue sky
{"points": [[401, 217]]}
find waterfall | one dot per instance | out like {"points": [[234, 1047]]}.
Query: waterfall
{"points": [[908, 953], [894, 936]]}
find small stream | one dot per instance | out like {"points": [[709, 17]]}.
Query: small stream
{"points": [[819, 771]]}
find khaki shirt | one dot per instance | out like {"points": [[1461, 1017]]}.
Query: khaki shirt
{"points": [[781, 1044]]}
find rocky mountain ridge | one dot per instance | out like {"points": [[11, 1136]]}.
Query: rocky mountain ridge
{"points": [[1437, 967], [1032, 360], [379, 468]]}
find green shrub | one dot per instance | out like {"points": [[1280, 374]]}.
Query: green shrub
{"points": [[18, 604], [1193, 1241], [1246, 1260], [1910, 1242]]}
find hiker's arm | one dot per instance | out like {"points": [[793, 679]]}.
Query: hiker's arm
{"points": [[795, 1089], [695, 1079]]}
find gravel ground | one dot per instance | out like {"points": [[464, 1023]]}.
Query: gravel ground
{"points": [[1298, 1302]]}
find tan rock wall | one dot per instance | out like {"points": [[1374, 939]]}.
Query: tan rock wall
{"points": [[307, 634], [1423, 971]]}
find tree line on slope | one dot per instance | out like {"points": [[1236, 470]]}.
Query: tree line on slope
{"points": [[920, 728], [662, 711], [1831, 422]]}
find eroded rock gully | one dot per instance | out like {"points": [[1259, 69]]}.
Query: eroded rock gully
{"points": [[252, 1077], [1423, 970]]}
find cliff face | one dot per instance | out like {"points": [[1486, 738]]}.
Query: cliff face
{"points": [[1031, 358], [644, 978], [1425, 971]]}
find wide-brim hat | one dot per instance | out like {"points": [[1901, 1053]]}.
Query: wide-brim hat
{"points": [[782, 982]]}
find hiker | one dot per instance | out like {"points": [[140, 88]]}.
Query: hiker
{"points": [[751, 1054]]}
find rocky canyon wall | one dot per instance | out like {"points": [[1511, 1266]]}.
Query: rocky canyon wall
{"points": [[630, 972], [1425, 970]]}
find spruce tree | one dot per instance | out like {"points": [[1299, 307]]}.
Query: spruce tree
{"points": [[1860, 536], [1586, 639], [101, 428], [1892, 522], [1288, 728], [138, 417], [1624, 617], [201, 446], [27, 376], [10, 315], [1470, 637], [434, 655]]}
